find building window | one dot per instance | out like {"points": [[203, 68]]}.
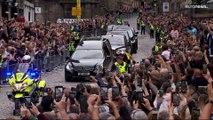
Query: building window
{"points": [[67, 10]]}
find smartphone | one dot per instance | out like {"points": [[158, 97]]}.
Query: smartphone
{"points": [[161, 92], [178, 86], [173, 68], [202, 89], [205, 69], [184, 86], [126, 79], [115, 93], [139, 81], [59, 91], [72, 97], [83, 103], [74, 89], [104, 93], [28, 102], [175, 99], [182, 69], [140, 96], [195, 113]]}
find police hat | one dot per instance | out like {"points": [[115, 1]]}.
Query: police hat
{"points": [[119, 57]]}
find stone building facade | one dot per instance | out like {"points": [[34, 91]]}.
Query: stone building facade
{"points": [[51, 10]]}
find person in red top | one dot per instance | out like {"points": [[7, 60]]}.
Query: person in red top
{"points": [[21, 19]]}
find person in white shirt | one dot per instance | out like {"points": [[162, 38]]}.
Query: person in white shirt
{"points": [[166, 53], [174, 33]]}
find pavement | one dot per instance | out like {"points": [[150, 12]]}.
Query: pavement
{"points": [[56, 77]]}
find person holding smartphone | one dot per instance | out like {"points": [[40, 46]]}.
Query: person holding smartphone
{"points": [[207, 110]]}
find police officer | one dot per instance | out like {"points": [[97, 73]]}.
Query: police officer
{"points": [[72, 27], [157, 48], [126, 56], [71, 47], [120, 64], [143, 27], [76, 38], [119, 21], [157, 34], [152, 30], [162, 34], [103, 27], [138, 23], [26, 64]]}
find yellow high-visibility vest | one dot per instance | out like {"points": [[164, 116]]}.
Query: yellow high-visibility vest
{"points": [[138, 20], [119, 21], [71, 46], [76, 36], [142, 23], [129, 57], [72, 28], [160, 47], [122, 68], [156, 48], [103, 26], [158, 29], [152, 27]]}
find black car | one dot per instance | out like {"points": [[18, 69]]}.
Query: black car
{"points": [[89, 56], [122, 33], [132, 34], [118, 41]]}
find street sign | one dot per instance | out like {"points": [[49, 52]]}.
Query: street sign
{"points": [[76, 11], [37, 10], [166, 7]]}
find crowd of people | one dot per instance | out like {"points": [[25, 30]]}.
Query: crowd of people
{"points": [[40, 41], [175, 82]]}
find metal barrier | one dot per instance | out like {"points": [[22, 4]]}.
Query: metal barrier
{"points": [[44, 65], [93, 33], [128, 15]]}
